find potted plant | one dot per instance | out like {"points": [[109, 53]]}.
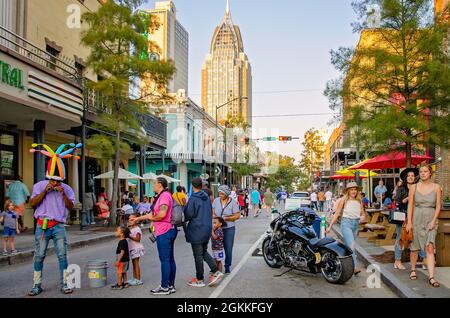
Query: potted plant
{"points": [[447, 202]]}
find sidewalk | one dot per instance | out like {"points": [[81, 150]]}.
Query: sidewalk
{"points": [[24, 242], [398, 280]]}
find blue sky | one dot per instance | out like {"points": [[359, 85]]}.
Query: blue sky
{"points": [[288, 44]]}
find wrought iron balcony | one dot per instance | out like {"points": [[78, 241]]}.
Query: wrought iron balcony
{"points": [[62, 65]]}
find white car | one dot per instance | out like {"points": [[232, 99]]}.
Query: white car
{"points": [[297, 200]]}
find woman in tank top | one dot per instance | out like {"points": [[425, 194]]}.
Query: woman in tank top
{"points": [[351, 208]]}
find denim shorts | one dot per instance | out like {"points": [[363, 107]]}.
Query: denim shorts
{"points": [[9, 232]]}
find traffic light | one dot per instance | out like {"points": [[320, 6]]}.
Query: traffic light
{"points": [[285, 138]]}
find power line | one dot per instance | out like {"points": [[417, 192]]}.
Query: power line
{"points": [[293, 115], [277, 92]]}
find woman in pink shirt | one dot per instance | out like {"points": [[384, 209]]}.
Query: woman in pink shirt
{"points": [[165, 233]]}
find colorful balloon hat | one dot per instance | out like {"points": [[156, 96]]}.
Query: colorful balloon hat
{"points": [[63, 152]]}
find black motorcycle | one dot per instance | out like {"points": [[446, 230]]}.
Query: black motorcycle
{"points": [[294, 244]]}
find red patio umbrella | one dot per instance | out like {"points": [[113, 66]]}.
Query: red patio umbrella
{"points": [[391, 160], [339, 177]]}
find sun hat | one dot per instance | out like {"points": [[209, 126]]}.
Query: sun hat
{"points": [[352, 185], [405, 172]]}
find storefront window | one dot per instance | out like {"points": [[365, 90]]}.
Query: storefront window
{"points": [[7, 163], [6, 140]]}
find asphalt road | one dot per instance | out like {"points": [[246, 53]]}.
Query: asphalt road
{"points": [[250, 276]]}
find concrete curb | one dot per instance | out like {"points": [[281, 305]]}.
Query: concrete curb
{"points": [[29, 254], [399, 288]]}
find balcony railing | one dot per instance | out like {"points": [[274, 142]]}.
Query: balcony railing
{"points": [[61, 64]]}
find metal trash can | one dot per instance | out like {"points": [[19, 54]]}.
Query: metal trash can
{"points": [[97, 273]]}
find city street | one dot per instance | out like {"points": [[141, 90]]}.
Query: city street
{"points": [[250, 277]]}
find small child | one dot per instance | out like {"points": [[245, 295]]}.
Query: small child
{"points": [[136, 251], [123, 258], [217, 241], [11, 227]]}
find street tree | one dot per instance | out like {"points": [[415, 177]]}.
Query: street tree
{"points": [[115, 37], [393, 88], [312, 156], [286, 175]]}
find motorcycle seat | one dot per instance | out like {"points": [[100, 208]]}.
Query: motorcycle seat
{"points": [[314, 243]]}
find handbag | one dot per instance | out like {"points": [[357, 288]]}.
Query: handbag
{"points": [[406, 237], [396, 216]]}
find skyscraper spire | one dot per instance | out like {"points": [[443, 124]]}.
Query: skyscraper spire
{"points": [[227, 10]]}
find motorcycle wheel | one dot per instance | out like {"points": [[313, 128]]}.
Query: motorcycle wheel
{"points": [[269, 257], [336, 270]]}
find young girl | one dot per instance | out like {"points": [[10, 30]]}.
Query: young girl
{"points": [[11, 226], [136, 251], [352, 209], [123, 258], [217, 242]]}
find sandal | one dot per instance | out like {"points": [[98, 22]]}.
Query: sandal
{"points": [[435, 283], [413, 275], [116, 287]]}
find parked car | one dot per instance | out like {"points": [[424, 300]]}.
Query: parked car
{"points": [[298, 200]]}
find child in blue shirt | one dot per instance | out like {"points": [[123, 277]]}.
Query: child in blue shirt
{"points": [[11, 226]]}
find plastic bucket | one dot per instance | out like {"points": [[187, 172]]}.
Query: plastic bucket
{"points": [[97, 273]]}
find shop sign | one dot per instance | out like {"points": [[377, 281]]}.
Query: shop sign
{"points": [[11, 76]]}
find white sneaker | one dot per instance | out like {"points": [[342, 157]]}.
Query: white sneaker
{"points": [[196, 283], [215, 278]]}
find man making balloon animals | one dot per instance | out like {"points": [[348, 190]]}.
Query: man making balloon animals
{"points": [[51, 198]]}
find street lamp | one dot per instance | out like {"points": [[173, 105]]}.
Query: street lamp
{"points": [[217, 108]]}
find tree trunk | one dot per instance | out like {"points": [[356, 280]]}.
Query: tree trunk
{"points": [[116, 179], [408, 151]]}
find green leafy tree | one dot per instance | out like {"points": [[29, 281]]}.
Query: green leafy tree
{"points": [[287, 174], [115, 39], [313, 153], [393, 90]]}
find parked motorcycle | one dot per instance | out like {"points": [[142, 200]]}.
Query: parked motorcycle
{"points": [[292, 242]]}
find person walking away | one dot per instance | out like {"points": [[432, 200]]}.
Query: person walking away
{"points": [[408, 176], [198, 214], [379, 192], [51, 199], [10, 222], [19, 194], [180, 196], [424, 207], [103, 208], [321, 197], [217, 242], [328, 200], [314, 199], [228, 209], [351, 208], [166, 235], [208, 191], [282, 196], [136, 251], [247, 203], [256, 200], [89, 199], [268, 201], [241, 201], [122, 258]]}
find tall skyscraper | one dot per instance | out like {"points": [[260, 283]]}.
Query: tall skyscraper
{"points": [[173, 42], [227, 74]]}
